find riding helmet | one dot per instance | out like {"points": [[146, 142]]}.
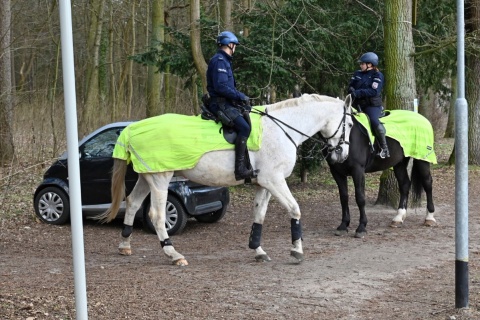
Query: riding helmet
{"points": [[369, 57], [227, 37]]}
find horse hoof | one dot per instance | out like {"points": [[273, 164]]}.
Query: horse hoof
{"points": [[429, 223], [262, 258], [297, 255], [360, 235], [396, 224], [125, 251], [341, 232], [180, 262]]}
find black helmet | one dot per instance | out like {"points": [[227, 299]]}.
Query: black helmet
{"points": [[227, 37], [369, 57]]}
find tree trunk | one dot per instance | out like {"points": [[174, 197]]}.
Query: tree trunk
{"points": [[472, 90], [450, 129], [167, 84], [198, 58], [92, 93], [226, 14], [113, 82], [6, 92], [427, 104], [400, 87], [130, 63], [247, 6], [155, 78]]}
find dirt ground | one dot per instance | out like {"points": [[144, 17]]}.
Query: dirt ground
{"points": [[403, 273]]}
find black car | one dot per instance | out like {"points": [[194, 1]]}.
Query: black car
{"points": [[185, 198]]}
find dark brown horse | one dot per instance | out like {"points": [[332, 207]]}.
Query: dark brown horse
{"points": [[362, 159]]}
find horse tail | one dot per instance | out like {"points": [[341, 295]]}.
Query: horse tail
{"points": [[416, 180], [117, 190]]}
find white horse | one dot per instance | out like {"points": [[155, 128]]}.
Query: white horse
{"points": [[286, 125]]}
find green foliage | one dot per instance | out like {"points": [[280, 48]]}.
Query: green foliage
{"points": [[306, 42], [435, 42], [309, 155], [314, 44]]}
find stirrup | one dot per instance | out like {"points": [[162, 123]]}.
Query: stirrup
{"points": [[244, 175], [383, 153], [250, 174]]}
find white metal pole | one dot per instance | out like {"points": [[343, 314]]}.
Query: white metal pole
{"points": [[73, 161], [461, 169]]}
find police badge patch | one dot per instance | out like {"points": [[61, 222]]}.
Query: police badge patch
{"points": [[375, 85]]}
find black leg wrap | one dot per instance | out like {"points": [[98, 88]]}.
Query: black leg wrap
{"points": [[296, 228], [127, 231], [255, 236], [166, 242]]}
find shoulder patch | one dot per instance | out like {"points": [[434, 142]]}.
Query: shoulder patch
{"points": [[222, 70], [375, 85]]}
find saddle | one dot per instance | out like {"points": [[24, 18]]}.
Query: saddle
{"points": [[368, 131], [229, 134]]}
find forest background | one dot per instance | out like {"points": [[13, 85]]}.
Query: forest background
{"points": [[141, 58]]}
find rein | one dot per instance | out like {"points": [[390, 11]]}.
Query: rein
{"points": [[277, 121], [324, 142]]}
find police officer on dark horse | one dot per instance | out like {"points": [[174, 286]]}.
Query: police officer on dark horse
{"points": [[225, 99], [366, 87]]}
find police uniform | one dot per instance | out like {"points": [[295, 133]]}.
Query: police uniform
{"points": [[223, 94], [221, 87], [368, 87]]}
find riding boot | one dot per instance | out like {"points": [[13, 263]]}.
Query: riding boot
{"points": [[380, 134], [241, 171]]}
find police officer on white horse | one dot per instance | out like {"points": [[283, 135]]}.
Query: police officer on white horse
{"points": [[366, 87], [226, 101]]}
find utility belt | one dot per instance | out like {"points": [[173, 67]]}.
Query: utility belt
{"points": [[369, 102], [227, 115], [224, 114], [218, 100]]}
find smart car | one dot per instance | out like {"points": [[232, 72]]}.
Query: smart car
{"points": [[185, 198]]}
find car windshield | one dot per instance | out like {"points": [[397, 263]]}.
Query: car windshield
{"points": [[102, 144]]}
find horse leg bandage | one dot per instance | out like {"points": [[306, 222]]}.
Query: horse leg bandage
{"points": [[255, 236], [127, 231], [296, 228], [166, 242]]}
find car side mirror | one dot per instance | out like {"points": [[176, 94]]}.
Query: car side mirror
{"points": [[81, 153]]}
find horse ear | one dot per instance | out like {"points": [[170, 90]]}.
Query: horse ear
{"points": [[348, 101]]}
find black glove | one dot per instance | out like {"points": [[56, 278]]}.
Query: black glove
{"points": [[351, 91], [245, 101]]}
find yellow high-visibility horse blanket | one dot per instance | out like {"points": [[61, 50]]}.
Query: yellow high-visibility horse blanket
{"points": [[412, 130], [176, 142]]}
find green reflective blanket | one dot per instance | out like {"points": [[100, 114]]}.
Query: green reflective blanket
{"points": [[175, 142], [412, 130]]}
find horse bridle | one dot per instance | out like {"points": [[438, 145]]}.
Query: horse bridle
{"points": [[338, 148], [324, 142]]}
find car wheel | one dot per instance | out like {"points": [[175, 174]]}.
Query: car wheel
{"points": [[212, 216], [52, 206], [175, 219]]}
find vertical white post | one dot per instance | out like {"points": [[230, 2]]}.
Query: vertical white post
{"points": [[73, 161], [461, 169]]}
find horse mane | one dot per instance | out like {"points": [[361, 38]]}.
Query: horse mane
{"points": [[301, 100]]}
